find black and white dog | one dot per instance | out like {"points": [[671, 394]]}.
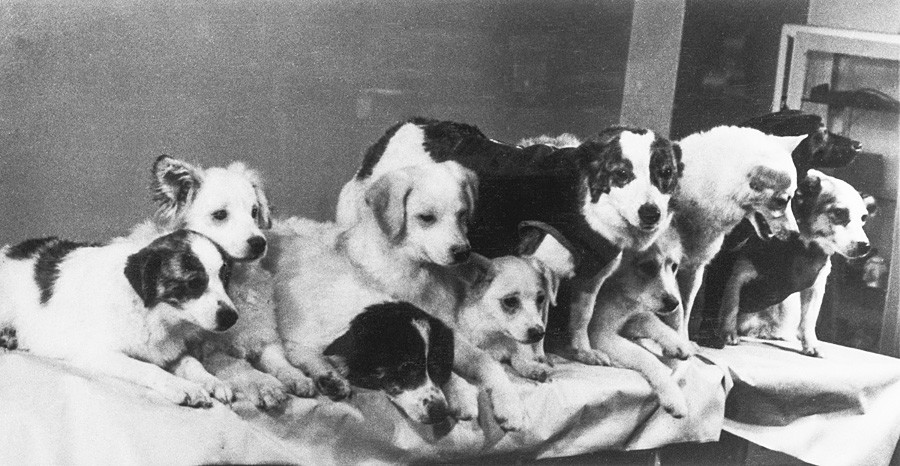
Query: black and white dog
{"points": [[403, 351], [605, 194], [125, 309]]}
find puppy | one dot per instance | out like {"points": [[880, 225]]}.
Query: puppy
{"points": [[413, 229], [399, 349], [507, 313], [831, 216], [819, 149], [125, 310], [608, 193], [229, 205], [730, 173], [640, 302]]}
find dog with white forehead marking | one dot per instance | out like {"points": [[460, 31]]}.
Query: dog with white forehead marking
{"points": [[411, 230], [230, 206], [730, 173], [604, 194], [126, 310]]}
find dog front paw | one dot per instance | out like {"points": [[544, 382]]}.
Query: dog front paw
{"points": [[509, 412], [186, 393], [297, 382], [219, 390], [333, 386], [674, 404], [8, 338], [811, 350], [263, 390], [681, 350], [462, 400], [533, 370], [590, 357]]}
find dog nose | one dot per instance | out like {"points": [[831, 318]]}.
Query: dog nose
{"points": [[670, 305], [649, 214], [460, 253], [226, 316], [857, 146], [437, 411], [535, 334], [257, 245], [861, 249]]}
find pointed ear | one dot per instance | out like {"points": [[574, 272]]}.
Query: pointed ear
{"points": [[808, 190], [387, 198], [468, 181], [264, 216], [790, 142], [544, 243], [551, 279], [174, 185], [142, 270]]}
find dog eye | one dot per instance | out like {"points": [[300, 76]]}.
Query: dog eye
{"points": [[540, 299], [510, 303], [840, 216], [427, 219], [255, 212], [221, 214], [780, 203], [666, 172], [621, 173], [674, 267]]}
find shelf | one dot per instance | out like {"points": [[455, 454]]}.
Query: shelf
{"points": [[866, 99]]}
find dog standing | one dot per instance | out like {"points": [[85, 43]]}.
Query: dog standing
{"points": [[125, 310], [412, 230], [229, 205], [831, 215], [609, 193], [730, 174]]}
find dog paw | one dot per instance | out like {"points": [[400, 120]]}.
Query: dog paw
{"points": [[462, 402], [676, 406], [509, 412], [186, 393], [811, 350], [219, 390], [333, 386], [8, 338], [731, 337], [297, 383], [682, 351], [263, 390], [590, 357], [535, 371]]}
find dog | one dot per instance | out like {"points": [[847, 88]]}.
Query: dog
{"points": [[610, 192], [639, 302], [731, 173], [762, 274], [125, 309], [230, 206], [403, 351], [819, 149], [402, 249]]}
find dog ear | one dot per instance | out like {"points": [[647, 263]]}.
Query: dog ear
{"points": [[174, 185], [264, 216], [142, 270], [387, 198], [549, 246], [468, 180], [762, 177], [808, 190], [440, 351], [551, 279], [871, 205], [789, 143]]}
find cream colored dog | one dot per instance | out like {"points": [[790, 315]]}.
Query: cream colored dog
{"points": [[413, 228], [640, 303]]}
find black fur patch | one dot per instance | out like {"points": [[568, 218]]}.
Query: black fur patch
{"points": [[666, 167], [168, 271], [375, 151], [46, 267], [29, 248], [385, 351]]}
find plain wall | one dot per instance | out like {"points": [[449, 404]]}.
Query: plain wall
{"points": [[91, 92]]}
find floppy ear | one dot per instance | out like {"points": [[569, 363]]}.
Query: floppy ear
{"points": [[440, 351], [551, 279], [790, 142], [468, 180], [174, 185], [387, 198], [264, 217], [762, 177], [142, 270]]}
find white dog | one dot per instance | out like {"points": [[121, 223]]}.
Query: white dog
{"points": [[125, 310], [229, 205], [730, 173], [413, 229]]}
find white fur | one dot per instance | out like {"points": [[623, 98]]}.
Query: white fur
{"points": [[96, 320]]}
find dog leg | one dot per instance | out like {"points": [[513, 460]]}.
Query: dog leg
{"points": [[272, 360], [811, 304], [326, 378], [478, 366], [528, 364], [462, 398], [629, 355], [581, 308], [647, 325], [261, 389], [742, 273], [191, 369], [689, 281], [175, 389]]}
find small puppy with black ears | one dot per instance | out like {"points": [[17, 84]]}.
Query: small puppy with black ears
{"points": [[127, 309]]}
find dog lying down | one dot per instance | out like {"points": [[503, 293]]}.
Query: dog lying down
{"points": [[402, 249], [125, 309], [638, 311], [761, 275]]}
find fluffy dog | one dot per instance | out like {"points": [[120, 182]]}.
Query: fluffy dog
{"points": [[608, 193], [831, 215], [125, 310], [403, 351], [640, 302], [730, 173], [229, 205], [413, 228]]}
